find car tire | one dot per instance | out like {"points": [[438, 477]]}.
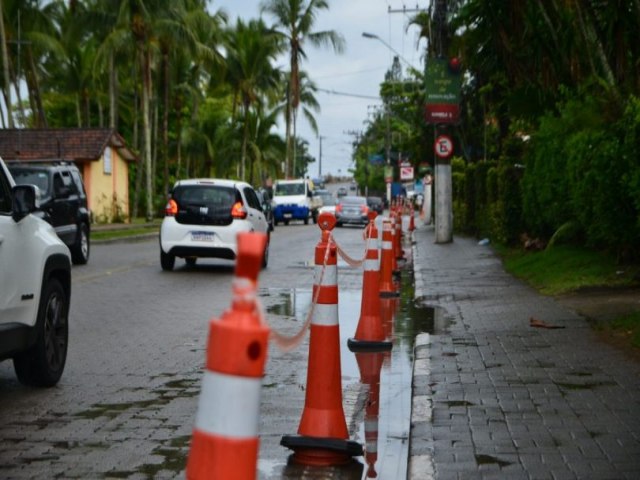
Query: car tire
{"points": [[43, 363], [81, 248], [167, 261], [191, 261]]}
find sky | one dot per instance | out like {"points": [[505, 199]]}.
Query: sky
{"points": [[357, 72]]}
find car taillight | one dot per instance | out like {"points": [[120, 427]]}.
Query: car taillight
{"points": [[339, 208], [171, 209], [238, 210], [364, 209]]}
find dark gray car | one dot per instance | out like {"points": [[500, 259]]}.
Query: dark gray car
{"points": [[352, 210]]}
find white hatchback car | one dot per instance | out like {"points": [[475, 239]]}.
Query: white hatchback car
{"points": [[203, 218]]}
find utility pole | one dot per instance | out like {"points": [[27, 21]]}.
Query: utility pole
{"points": [[443, 176], [320, 137]]}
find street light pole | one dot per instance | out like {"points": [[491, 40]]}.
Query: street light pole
{"points": [[376, 37], [320, 137]]}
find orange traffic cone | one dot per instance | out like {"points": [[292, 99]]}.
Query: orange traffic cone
{"points": [[322, 434], [225, 436], [369, 333], [412, 224], [398, 238], [370, 365], [387, 288]]}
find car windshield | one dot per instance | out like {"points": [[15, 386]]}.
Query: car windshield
{"points": [[283, 189], [39, 178]]}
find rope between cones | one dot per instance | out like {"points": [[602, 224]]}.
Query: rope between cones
{"points": [[287, 343]]}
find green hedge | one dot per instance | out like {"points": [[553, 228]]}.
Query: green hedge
{"points": [[581, 176]]}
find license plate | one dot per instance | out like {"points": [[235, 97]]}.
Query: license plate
{"points": [[288, 215], [202, 236]]}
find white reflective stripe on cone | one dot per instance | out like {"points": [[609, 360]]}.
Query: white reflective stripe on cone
{"points": [[371, 265], [386, 245], [229, 405], [325, 315], [330, 277]]}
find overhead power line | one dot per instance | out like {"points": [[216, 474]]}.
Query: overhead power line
{"points": [[333, 92]]}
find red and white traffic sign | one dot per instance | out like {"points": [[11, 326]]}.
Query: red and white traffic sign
{"points": [[443, 146], [406, 172]]}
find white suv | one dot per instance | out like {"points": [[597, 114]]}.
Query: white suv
{"points": [[35, 287], [203, 218]]}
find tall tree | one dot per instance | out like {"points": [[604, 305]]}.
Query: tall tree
{"points": [[295, 20], [252, 48]]}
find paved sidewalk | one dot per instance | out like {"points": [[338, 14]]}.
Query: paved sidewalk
{"points": [[496, 398]]}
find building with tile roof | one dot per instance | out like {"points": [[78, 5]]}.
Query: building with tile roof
{"points": [[101, 155]]}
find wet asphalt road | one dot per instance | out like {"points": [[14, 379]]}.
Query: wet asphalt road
{"points": [[126, 403]]}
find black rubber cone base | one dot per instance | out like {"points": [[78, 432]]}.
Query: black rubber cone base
{"points": [[356, 345], [321, 451]]}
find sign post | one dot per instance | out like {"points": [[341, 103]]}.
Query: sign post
{"points": [[443, 149]]}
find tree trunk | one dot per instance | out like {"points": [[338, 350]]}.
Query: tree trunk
{"points": [[35, 90], [165, 125], [113, 89], [146, 130], [6, 87]]}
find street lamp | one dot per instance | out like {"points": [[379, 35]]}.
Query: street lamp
{"points": [[376, 37]]}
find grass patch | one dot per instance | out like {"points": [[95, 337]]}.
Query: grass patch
{"points": [[563, 269], [138, 226], [623, 330]]}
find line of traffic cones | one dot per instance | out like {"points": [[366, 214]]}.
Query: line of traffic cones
{"points": [[225, 436], [323, 438]]}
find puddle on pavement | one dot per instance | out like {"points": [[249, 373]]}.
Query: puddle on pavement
{"points": [[384, 379]]}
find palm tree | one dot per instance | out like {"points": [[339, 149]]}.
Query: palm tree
{"points": [[6, 81], [30, 28], [296, 19], [252, 48]]}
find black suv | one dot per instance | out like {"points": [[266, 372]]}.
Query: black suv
{"points": [[63, 202]]}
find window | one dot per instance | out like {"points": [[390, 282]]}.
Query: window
{"points": [[5, 194], [107, 161], [252, 198]]}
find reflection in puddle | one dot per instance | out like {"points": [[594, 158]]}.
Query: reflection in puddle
{"points": [[383, 410]]}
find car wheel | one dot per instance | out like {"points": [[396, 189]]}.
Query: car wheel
{"points": [[265, 258], [167, 261], [43, 363], [80, 250], [191, 261]]}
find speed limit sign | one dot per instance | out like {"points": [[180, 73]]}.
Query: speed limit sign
{"points": [[443, 146]]}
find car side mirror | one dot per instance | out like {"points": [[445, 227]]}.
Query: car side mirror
{"points": [[24, 200]]}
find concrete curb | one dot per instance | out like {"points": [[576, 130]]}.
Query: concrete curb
{"points": [[420, 467], [128, 239]]}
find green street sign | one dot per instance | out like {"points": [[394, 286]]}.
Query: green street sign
{"points": [[442, 86]]}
